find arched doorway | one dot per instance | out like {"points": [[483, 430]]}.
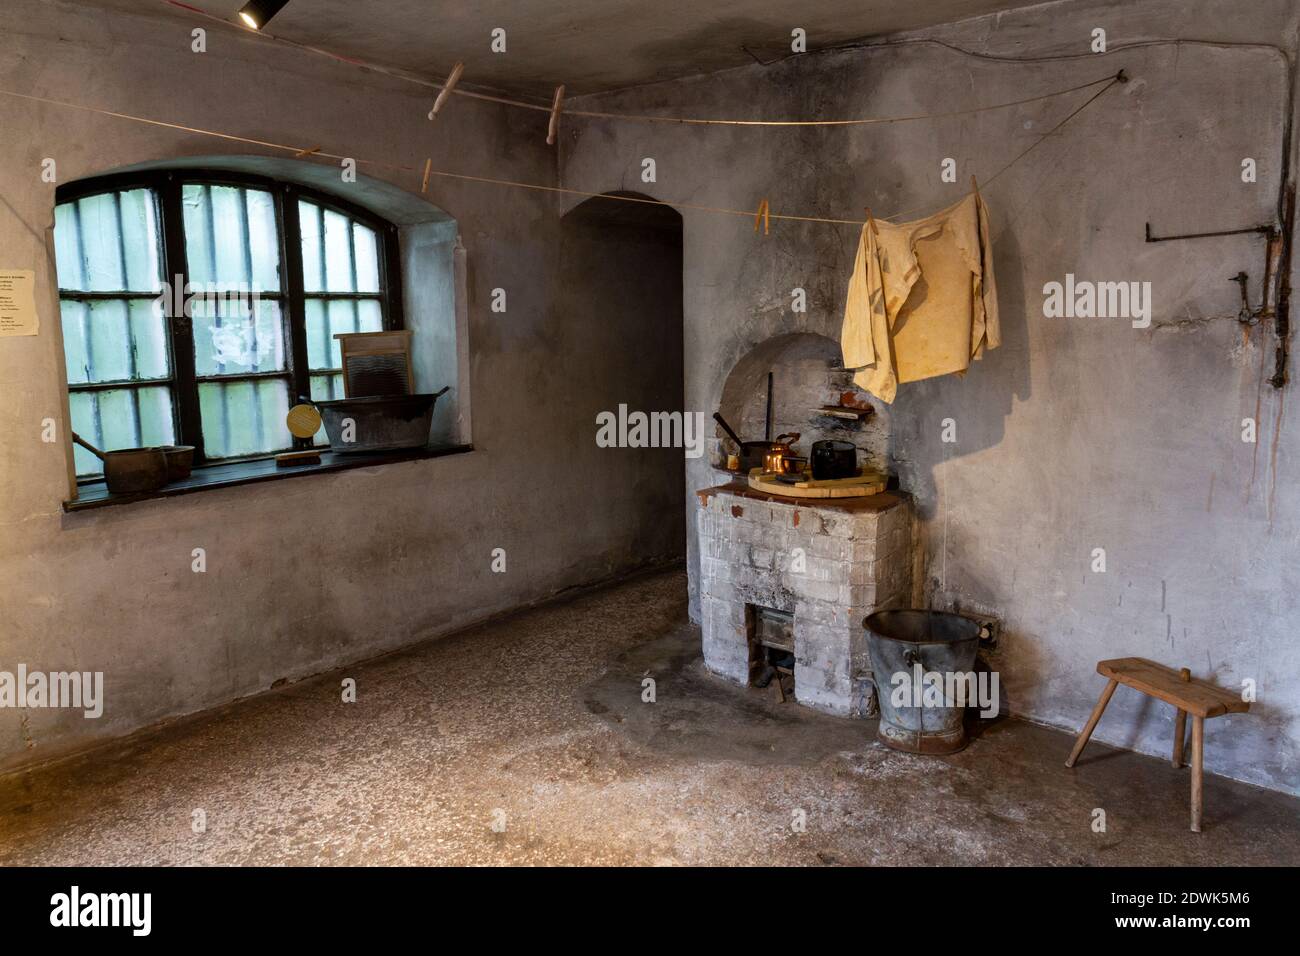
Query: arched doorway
{"points": [[621, 301]]}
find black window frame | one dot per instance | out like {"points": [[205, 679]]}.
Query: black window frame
{"points": [[167, 186]]}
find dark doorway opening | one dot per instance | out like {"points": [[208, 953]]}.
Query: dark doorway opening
{"points": [[621, 270]]}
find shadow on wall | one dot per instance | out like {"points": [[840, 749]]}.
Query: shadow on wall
{"points": [[991, 385], [620, 334]]}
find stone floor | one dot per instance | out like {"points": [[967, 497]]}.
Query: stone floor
{"points": [[538, 722]]}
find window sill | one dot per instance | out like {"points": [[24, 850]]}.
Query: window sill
{"points": [[96, 495]]}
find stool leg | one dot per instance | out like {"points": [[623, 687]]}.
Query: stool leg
{"points": [[1180, 736], [1092, 723], [1198, 753]]}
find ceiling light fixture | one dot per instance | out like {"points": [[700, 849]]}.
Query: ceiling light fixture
{"points": [[256, 13]]}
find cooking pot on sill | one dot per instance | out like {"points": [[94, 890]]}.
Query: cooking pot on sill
{"points": [[130, 471]]}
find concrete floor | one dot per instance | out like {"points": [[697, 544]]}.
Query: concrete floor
{"points": [[538, 720]]}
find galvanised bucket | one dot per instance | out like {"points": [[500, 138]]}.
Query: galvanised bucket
{"points": [[939, 642]]}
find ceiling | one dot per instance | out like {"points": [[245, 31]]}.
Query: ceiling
{"points": [[588, 45]]}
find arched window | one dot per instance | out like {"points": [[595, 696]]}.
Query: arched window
{"points": [[198, 307]]}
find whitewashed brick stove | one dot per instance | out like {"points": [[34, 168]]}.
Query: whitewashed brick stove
{"points": [[856, 558]]}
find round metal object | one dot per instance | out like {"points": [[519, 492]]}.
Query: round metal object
{"points": [[303, 421]]}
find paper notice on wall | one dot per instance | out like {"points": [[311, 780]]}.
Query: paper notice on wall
{"points": [[18, 302]]}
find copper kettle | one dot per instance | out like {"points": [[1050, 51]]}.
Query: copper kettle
{"points": [[777, 451]]}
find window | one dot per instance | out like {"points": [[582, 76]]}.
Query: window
{"points": [[268, 273]]}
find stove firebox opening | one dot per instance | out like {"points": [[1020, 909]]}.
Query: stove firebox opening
{"points": [[771, 648]]}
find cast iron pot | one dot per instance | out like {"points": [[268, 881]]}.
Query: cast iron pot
{"points": [[180, 461], [834, 459], [130, 471]]}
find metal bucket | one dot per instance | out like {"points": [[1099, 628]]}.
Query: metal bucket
{"points": [[900, 641], [378, 422]]}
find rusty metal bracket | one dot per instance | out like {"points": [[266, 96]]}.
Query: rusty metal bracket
{"points": [[1262, 230], [1278, 248]]}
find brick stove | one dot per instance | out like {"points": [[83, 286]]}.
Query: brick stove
{"points": [[827, 562]]}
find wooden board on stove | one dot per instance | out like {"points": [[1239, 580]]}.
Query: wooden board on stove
{"points": [[868, 482]]}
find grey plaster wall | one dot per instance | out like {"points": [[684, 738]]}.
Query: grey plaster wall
{"points": [[310, 573], [1077, 433]]}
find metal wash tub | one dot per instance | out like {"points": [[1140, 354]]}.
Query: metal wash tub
{"points": [[899, 641], [369, 423]]}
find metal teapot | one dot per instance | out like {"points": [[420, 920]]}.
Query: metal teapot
{"points": [[781, 448]]}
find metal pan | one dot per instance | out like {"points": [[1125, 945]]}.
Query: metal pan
{"points": [[130, 471], [752, 453]]}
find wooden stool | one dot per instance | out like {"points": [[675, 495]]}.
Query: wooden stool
{"points": [[1199, 698]]}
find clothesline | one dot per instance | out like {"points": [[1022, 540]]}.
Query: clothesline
{"points": [[630, 117], [427, 171], [691, 121]]}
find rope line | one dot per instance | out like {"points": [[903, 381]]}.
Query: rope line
{"points": [[426, 171], [629, 117], [1088, 102], [1038, 142], [867, 121]]}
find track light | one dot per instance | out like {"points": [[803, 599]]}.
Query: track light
{"points": [[256, 13]]}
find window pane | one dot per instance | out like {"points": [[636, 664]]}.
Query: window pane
{"points": [[231, 238], [244, 418], [367, 256], [232, 339], [339, 254], [114, 340], [67, 246], [108, 243], [120, 418], [329, 317], [313, 265], [325, 388]]}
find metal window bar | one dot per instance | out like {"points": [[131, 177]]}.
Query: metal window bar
{"points": [[131, 357], [210, 224]]}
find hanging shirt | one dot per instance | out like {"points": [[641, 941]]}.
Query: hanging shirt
{"points": [[922, 299]]}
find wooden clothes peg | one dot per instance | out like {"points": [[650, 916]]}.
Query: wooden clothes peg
{"points": [[447, 87], [554, 126], [764, 210], [975, 187], [428, 167], [871, 221]]}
